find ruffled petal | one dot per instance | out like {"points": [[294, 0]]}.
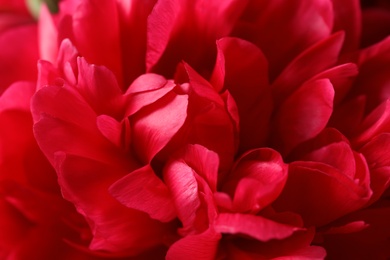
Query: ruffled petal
{"points": [[85, 183], [256, 180], [254, 226], [321, 194], [144, 191], [304, 114], [194, 247], [247, 82]]}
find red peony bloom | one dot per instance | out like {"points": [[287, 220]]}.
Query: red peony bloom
{"points": [[195, 130]]}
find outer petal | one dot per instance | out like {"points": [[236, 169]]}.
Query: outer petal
{"points": [[377, 122], [105, 49], [18, 55], [99, 88], [191, 182], [155, 125], [194, 247], [341, 77], [256, 180], [48, 36], [321, 194], [133, 22], [247, 82], [347, 17], [211, 124], [144, 191], [378, 159], [59, 121], [329, 147], [175, 27], [373, 79], [289, 20], [85, 182], [306, 65], [303, 115], [254, 226], [17, 96]]}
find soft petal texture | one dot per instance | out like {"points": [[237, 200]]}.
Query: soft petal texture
{"points": [[103, 15], [332, 194], [57, 121], [303, 115], [132, 24], [48, 34], [373, 79], [306, 65], [378, 159], [155, 125], [99, 87], [289, 20], [191, 182], [202, 246], [377, 122], [18, 60], [144, 191], [176, 27], [247, 82], [254, 226], [341, 77], [347, 17], [82, 181], [256, 180]]}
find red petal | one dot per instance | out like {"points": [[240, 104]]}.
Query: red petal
{"points": [[100, 89], [146, 90], [79, 113], [48, 36], [203, 246], [347, 17], [181, 181], [133, 21], [110, 128], [254, 226], [321, 194], [377, 122], [332, 148], [306, 65], [101, 47], [210, 123], [17, 96], [341, 77], [247, 82], [289, 20], [257, 180], [378, 159], [59, 124], [373, 79], [18, 55], [175, 27], [308, 253], [304, 114], [85, 182], [144, 191], [155, 125]]}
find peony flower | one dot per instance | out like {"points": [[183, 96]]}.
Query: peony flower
{"points": [[198, 130]]}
